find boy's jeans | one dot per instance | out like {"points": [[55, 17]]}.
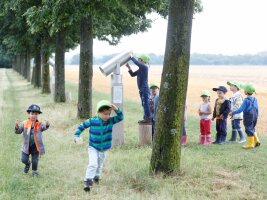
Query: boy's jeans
{"points": [[35, 157], [96, 161], [144, 95]]}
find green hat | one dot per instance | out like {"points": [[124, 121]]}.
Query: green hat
{"points": [[144, 57], [103, 103], [205, 93], [248, 87], [154, 85], [235, 83]]}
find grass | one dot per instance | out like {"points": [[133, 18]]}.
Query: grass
{"points": [[213, 172]]}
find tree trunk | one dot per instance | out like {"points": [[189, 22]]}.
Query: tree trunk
{"points": [[60, 67], [25, 67], [86, 68], [45, 73], [166, 151], [28, 64], [37, 64]]}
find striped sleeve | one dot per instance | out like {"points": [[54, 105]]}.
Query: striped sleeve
{"points": [[86, 124], [117, 118]]}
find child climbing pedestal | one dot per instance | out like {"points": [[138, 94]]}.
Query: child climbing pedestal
{"points": [[145, 133]]}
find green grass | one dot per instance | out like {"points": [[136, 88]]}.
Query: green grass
{"points": [[213, 172]]}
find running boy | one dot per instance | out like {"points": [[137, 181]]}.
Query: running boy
{"points": [[250, 111], [221, 110], [236, 101], [142, 82], [100, 139], [32, 138]]}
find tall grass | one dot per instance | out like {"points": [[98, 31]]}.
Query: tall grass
{"points": [[213, 172]]}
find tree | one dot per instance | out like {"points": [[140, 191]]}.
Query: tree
{"points": [[166, 151]]}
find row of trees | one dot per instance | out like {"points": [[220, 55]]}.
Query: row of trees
{"points": [[38, 28]]}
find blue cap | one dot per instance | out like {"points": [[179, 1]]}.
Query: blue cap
{"points": [[34, 108], [220, 88]]}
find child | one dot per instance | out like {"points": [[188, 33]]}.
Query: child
{"points": [[249, 108], [142, 82], [154, 104], [221, 110], [32, 138], [100, 139], [236, 101], [184, 136], [205, 118]]}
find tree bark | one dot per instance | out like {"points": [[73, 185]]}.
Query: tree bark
{"points": [[37, 64], [28, 64], [166, 151], [45, 73], [86, 68], [25, 67], [60, 67]]}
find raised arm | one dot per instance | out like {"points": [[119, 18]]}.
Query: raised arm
{"points": [[19, 127], [140, 65], [45, 126], [119, 117]]}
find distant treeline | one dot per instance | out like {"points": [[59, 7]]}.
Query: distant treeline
{"points": [[196, 59]]}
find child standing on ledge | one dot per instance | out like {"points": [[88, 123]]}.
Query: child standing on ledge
{"points": [[142, 83]]}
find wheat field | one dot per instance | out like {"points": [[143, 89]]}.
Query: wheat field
{"points": [[200, 78]]}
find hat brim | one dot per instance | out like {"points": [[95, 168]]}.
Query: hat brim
{"points": [[232, 83], [104, 106], [34, 111]]}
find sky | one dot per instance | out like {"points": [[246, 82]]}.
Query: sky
{"points": [[228, 27]]}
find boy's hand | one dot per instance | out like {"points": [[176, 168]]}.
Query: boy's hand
{"points": [[113, 107], [212, 118], [17, 124], [78, 140], [221, 117], [47, 124]]}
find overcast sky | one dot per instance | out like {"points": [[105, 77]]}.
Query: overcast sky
{"points": [[224, 27]]}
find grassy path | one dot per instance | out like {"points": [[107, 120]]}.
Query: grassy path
{"points": [[213, 172]]}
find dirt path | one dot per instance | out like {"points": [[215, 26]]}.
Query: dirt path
{"points": [[3, 86]]}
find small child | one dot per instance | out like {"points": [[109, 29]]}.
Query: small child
{"points": [[236, 101], [205, 118], [184, 136], [100, 139], [221, 110], [32, 138], [142, 82], [154, 99], [250, 111]]}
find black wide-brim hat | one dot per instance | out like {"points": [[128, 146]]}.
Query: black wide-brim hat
{"points": [[34, 108]]}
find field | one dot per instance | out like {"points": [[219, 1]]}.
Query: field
{"points": [[200, 78], [213, 172]]}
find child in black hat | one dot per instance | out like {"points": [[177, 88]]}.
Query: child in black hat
{"points": [[221, 111], [32, 138]]}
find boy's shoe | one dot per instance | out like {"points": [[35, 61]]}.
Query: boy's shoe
{"points": [[88, 183], [250, 143], [242, 140], [146, 120], [35, 173], [233, 138], [27, 167], [218, 139], [222, 140], [96, 179], [256, 140]]}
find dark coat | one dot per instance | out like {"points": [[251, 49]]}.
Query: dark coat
{"points": [[224, 110]]}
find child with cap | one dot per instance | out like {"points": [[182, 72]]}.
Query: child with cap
{"points": [[250, 109], [236, 101], [142, 82], [205, 118], [221, 111], [32, 138], [100, 139], [154, 99]]}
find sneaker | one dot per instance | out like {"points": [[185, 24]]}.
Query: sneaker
{"points": [[242, 141], [96, 179], [88, 183], [27, 167], [35, 173], [146, 120]]}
